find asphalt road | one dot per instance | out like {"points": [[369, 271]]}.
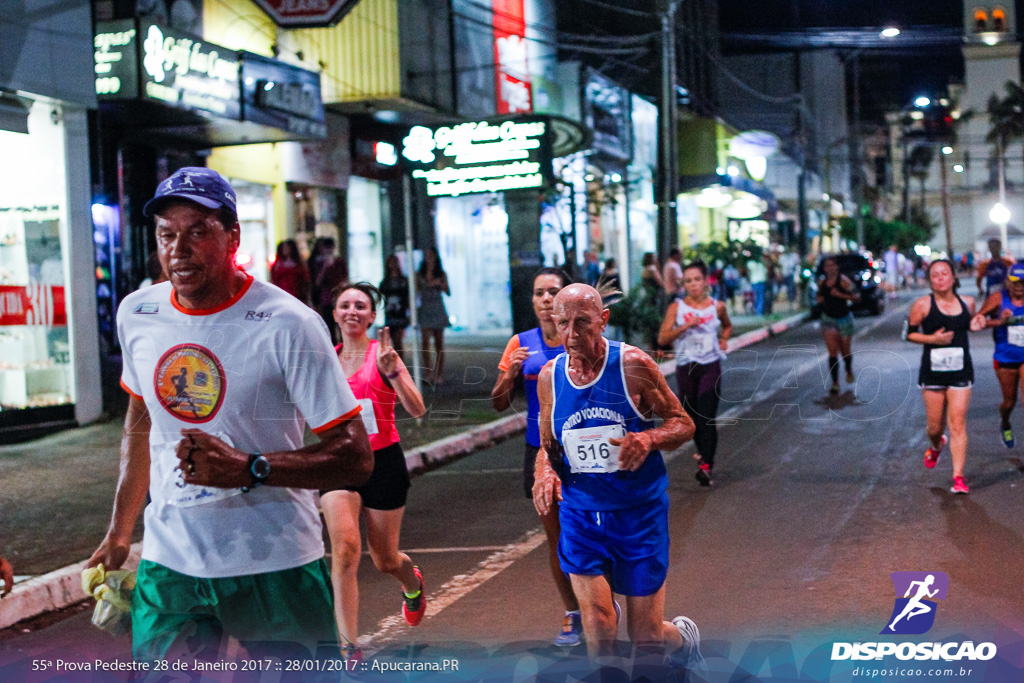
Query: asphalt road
{"points": [[816, 501]]}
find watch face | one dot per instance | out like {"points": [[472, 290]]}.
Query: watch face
{"points": [[261, 467]]}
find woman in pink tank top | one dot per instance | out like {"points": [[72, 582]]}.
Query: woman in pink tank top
{"points": [[377, 377]]}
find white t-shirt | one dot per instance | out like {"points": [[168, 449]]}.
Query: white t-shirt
{"points": [[251, 372]]}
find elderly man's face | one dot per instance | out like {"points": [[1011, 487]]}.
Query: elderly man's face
{"points": [[580, 319], [196, 250]]}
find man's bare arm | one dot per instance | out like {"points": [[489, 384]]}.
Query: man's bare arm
{"points": [[343, 458], [132, 486], [652, 396]]}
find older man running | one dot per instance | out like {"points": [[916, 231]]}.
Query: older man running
{"points": [[598, 401]]}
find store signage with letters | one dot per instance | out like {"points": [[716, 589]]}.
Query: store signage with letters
{"points": [[116, 60], [32, 305], [189, 73], [306, 13], [174, 68], [481, 156], [281, 95], [511, 74]]}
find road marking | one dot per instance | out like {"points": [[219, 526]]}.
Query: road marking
{"points": [[494, 470], [454, 549], [458, 587]]}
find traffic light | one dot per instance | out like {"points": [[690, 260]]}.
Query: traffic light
{"points": [[932, 122]]}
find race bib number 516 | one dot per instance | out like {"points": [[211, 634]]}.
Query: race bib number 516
{"points": [[589, 451]]}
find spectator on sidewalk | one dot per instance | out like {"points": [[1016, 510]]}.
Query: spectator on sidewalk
{"points": [[789, 263], [232, 544], [289, 272], [395, 290], [433, 317], [893, 271], [672, 276], [731, 280], [593, 269], [757, 274]]}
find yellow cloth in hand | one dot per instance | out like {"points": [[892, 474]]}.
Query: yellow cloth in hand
{"points": [[113, 593]]}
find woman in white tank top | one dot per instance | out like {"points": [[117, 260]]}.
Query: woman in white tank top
{"points": [[698, 327]]}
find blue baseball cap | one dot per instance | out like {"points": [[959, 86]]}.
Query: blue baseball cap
{"points": [[197, 184], [1016, 273]]}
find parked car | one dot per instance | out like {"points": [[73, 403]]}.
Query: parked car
{"points": [[866, 282]]}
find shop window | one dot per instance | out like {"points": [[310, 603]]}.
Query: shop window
{"points": [[980, 21], [999, 20]]}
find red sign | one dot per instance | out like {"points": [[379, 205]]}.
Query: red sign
{"points": [[306, 13], [511, 75], [33, 305]]}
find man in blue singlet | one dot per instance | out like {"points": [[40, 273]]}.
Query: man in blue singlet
{"points": [[992, 271], [598, 402]]}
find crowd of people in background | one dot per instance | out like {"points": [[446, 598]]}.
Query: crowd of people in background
{"points": [[314, 280]]}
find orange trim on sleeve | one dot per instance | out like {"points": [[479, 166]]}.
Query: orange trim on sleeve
{"points": [[512, 345], [129, 391], [337, 421], [216, 309]]}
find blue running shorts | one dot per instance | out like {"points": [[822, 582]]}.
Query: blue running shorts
{"points": [[629, 547]]}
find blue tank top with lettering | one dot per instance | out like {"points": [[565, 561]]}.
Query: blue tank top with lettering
{"points": [[603, 402], [540, 354], [1009, 341]]}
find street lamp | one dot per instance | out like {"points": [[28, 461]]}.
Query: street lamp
{"points": [[890, 32], [1000, 215], [922, 101]]}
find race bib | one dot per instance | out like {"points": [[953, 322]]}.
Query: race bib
{"points": [[183, 495], [947, 359], [369, 417], [1015, 335], [697, 345], [588, 449]]}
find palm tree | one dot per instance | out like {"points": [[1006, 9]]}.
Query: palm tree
{"points": [[1006, 120]]}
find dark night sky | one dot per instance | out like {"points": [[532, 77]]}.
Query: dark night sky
{"points": [[889, 79]]}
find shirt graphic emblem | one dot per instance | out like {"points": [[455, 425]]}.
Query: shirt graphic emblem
{"points": [[190, 383]]}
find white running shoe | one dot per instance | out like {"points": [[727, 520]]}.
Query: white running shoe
{"points": [[689, 654]]}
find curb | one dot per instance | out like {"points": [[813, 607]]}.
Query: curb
{"points": [[49, 592], [438, 453], [63, 587]]}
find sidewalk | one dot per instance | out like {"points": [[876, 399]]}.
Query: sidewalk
{"points": [[61, 486]]}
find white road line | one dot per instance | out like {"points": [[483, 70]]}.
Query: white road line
{"points": [[458, 587], [494, 470], [455, 549], [390, 628]]}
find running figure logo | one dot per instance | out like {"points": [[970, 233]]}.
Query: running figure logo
{"points": [[190, 383], [914, 613]]}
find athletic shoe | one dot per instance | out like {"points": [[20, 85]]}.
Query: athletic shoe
{"points": [[850, 379], [572, 630], [688, 654], [414, 606], [834, 389], [1008, 438], [353, 657], [931, 456], [703, 474], [959, 485]]}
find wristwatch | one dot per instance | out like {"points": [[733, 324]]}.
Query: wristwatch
{"points": [[259, 469]]}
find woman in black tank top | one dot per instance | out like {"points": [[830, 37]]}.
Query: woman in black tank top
{"points": [[940, 322], [835, 292]]}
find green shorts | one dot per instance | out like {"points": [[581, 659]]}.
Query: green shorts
{"points": [[843, 325], [270, 614]]}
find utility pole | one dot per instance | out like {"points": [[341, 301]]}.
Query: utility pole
{"points": [[667, 225], [946, 213], [856, 165]]}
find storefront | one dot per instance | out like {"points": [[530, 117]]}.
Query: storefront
{"points": [[170, 99], [49, 359], [489, 187]]}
